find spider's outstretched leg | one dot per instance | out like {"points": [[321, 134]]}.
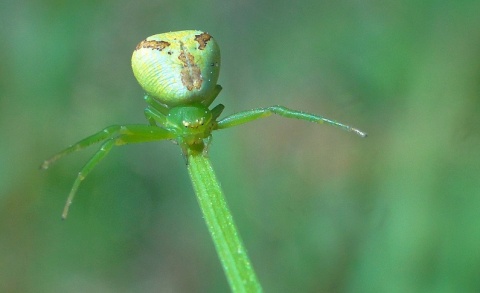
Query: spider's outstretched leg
{"points": [[250, 115], [126, 135], [104, 134]]}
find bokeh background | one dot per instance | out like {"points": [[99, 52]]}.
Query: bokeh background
{"points": [[319, 209]]}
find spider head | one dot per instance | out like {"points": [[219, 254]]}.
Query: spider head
{"points": [[193, 123]]}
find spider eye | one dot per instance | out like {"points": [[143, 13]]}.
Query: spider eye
{"points": [[177, 68]]}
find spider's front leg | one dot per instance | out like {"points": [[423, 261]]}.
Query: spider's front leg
{"points": [[250, 115], [106, 133], [112, 135]]}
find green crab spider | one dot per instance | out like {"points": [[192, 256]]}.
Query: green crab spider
{"points": [[179, 72]]}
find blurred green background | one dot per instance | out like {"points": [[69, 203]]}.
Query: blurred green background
{"points": [[320, 210]]}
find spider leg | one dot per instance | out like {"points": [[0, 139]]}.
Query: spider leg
{"points": [[134, 134], [153, 116], [212, 97], [156, 105], [216, 111], [102, 135], [250, 115], [155, 112]]}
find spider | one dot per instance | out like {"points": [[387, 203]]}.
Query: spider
{"points": [[179, 73]]}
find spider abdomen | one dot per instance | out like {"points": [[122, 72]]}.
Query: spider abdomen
{"points": [[177, 68]]}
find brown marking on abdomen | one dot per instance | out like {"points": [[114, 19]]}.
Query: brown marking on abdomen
{"points": [[191, 73], [155, 45], [202, 40]]}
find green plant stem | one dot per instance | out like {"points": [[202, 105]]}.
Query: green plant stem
{"points": [[232, 253]]}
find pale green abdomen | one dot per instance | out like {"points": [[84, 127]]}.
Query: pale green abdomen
{"points": [[177, 68]]}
